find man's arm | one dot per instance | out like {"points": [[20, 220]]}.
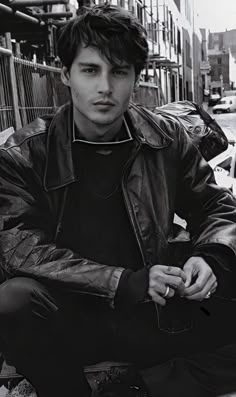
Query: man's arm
{"points": [[210, 212], [27, 228]]}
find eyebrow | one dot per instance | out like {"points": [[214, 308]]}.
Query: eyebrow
{"points": [[95, 65], [88, 64]]}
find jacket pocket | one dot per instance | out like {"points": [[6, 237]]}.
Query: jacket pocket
{"points": [[176, 316]]}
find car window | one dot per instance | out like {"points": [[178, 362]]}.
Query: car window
{"points": [[223, 102]]}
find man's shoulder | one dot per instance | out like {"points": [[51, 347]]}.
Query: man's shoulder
{"points": [[37, 128], [154, 127]]}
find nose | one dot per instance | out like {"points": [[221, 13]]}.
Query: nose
{"points": [[105, 84]]}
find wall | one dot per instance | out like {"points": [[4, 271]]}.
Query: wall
{"points": [[232, 70], [219, 62], [223, 40], [216, 41], [230, 41]]}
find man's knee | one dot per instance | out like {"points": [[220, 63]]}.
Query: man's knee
{"points": [[19, 296]]}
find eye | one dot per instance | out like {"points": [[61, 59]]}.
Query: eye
{"points": [[89, 70], [120, 72]]}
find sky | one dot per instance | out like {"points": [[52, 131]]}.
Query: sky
{"points": [[216, 15]]}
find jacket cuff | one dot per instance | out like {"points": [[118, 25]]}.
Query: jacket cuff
{"points": [[132, 288]]}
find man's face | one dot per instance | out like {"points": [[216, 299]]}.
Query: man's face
{"points": [[100, 92]]}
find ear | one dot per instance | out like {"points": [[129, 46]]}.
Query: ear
{"points": [[65, 76], [136, 85]]}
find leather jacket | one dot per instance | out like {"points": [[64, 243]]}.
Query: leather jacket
{"points": [[165, 175]]}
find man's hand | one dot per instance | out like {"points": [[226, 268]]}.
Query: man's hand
{"points": [[200, 279], [161, 277]]}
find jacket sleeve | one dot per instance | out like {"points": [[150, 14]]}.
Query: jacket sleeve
{"points": [[210, 210], [27, 229]]}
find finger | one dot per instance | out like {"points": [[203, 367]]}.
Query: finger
{"points": [[170, 294], [202, 293], [174, 271], [157, 298], [161, 290], [200, 282], [174, 282], [214, 287], [189, 275]]}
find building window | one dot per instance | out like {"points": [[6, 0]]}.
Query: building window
{"points": [[188, 10], [174, 34], [164, 31], [152, 31], [219, 61], [140, 12], [202, 54], [171, 30], [179, 42], [188, 54], [167, 22]]}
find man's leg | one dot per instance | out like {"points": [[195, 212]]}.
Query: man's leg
{"points": [[32, 342], [209, 374], [200, 362]]}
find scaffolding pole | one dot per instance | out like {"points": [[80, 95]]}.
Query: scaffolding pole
{"points": [[13, 84], [21, 15], [45, 15], [32, 3]]}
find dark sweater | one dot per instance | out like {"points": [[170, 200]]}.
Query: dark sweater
{"points": [[96, 222]]}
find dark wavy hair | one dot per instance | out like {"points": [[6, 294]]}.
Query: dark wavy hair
{"points": [[114, 31]]}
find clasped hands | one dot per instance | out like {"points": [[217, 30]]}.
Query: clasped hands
{"points": [[196, 281]]}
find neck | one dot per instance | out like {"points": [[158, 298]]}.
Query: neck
{"points": [[94, 132]]}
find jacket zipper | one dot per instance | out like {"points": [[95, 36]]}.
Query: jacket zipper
{"points": [[133, 221], [61, 213], [131, 215]]}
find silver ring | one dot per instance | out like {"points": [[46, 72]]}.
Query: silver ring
{"points": [[167, 291], [208, 295]]}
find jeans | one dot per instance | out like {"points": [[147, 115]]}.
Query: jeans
{"points": [[50, 334]]}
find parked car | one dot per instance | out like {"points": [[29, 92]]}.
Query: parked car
{"points": [[213, 99], [224, 166], [225, 105]]}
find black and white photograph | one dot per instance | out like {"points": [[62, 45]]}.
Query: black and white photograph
{"points": [[117, 198]]}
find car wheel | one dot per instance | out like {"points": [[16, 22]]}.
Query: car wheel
{"points": [[228, 110]]}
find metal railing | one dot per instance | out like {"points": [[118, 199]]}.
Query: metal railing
{"points": [[6, 108], [27, 90], [39, 89]]}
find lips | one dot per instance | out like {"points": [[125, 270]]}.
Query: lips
{"points": [[104, 103]]}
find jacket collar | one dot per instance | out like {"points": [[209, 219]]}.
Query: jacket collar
{"points": [[59, 168]]}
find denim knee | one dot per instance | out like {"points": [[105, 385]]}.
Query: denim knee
{"points": [[21, 296]]}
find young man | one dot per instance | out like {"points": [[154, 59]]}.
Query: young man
{"points": [[88, 197]]}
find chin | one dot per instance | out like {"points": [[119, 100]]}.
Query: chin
{"points": [[104, 120]]}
